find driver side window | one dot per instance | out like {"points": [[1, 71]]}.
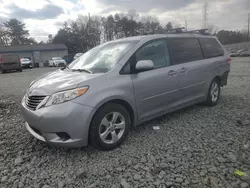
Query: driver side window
{"points": [[155, 51]]}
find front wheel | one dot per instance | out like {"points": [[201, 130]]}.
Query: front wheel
{"points": [[213, 95], [110, 126]]}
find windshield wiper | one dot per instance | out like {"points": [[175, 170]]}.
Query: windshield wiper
{"points": [[83, 70], [65, 67]]}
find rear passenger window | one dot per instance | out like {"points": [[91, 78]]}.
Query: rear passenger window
{"points": [[211, 47], [156, 51], [184, 50]]}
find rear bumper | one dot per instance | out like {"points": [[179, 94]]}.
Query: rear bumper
{"points": [[224, 79], [51, 124], [10, 66]]}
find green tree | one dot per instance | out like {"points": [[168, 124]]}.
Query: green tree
{"points": [[81, 35], [230, 37], [169, 26], [3, 37], [50, 39], [17, 33]]}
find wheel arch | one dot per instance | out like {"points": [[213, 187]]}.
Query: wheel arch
{"points": [[217, 78], [123, 103]]}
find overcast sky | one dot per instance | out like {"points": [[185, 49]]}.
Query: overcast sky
{"points": [[42, 17]]}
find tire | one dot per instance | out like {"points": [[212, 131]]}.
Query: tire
{"points": [[20, 70], [3, 71], [109, 112], [213, 95]]}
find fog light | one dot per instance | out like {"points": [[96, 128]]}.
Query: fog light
{"points": [[63, 136]]}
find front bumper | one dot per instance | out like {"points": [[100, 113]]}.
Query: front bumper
{"points": [[49, 123], [28, 65]]}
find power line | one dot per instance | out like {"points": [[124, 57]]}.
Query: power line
{"points": [[205, 14], [248, 26]]}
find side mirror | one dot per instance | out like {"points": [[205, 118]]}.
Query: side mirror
{"points": [[144, 65]]}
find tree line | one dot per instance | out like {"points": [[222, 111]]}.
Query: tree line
{"points": [[86, 32]]}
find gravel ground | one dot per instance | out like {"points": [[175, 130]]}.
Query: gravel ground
{"points": [[195, 147]]}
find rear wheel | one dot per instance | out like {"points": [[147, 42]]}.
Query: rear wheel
{"points": [[20, 70], [110, 126], [213, 95]]}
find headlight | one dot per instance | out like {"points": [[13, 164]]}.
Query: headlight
{"points": [[64, 96]]}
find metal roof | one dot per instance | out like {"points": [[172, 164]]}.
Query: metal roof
{"points": [[35, 47]]}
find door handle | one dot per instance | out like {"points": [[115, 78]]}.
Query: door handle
{"points": [[183, 70], [172, 73]]}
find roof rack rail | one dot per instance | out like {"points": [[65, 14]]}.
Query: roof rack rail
{"points": [[179, 30], [175, 30], [200, 31]]}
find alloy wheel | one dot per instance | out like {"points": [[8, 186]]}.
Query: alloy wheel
{"points": [[112, 127], [214, 91]]}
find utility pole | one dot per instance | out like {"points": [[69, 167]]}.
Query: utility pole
{"points": [[205, 15], [248, 26], [186, 25]]}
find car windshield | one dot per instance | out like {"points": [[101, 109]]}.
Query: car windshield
{"points": [[57, 58], [102, 58], [24, 59]]}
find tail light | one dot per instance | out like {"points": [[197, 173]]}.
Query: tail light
{"points": [[229, 59]]}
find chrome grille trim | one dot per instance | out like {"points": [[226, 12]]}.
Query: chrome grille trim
{"points": [[32, 102]]}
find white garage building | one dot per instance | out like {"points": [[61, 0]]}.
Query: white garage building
{"points": [[38, 53]]}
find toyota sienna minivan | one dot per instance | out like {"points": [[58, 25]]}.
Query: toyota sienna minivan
{"points": [[123, 83]]}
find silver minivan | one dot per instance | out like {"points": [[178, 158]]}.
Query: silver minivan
{"points": [[123, 83]]}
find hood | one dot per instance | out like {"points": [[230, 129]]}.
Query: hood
{"points": [[59, 60], [58, 80]]}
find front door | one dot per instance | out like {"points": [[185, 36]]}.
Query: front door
{"points": [[155, 90]]}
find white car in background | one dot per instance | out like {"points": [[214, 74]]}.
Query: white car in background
{"points": [[26, 63], [78, 55], [57, 62]]}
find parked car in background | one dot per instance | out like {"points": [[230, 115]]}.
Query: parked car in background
{"points": [[10, 62], [26, 63], [233, 54], [123, 83], [78, 55], [68, 58], [245, 53], [57, 62]]}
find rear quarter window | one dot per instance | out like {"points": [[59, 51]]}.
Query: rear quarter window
{"points": [[184, 50], [211, 47]]}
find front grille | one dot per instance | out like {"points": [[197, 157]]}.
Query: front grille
{"points": [[33, 101]]}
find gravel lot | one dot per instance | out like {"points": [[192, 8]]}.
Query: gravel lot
{"points": [[195, 147]]}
